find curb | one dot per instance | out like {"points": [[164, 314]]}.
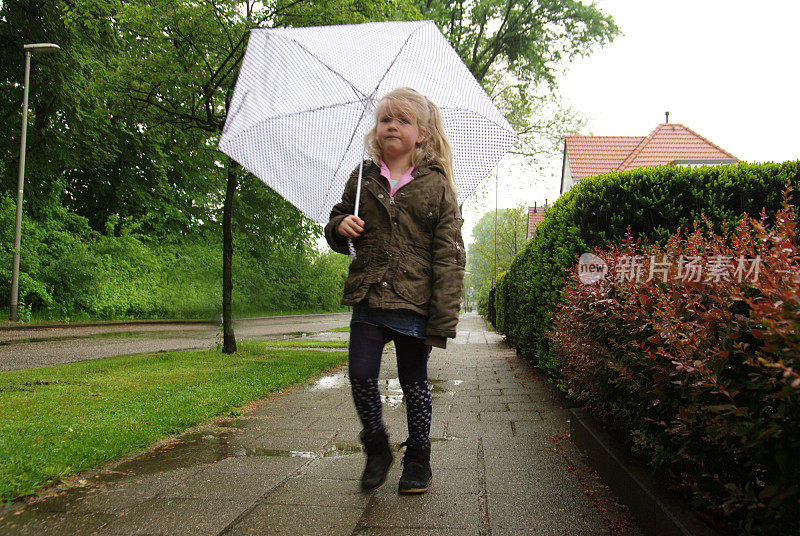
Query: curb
{"points": [[25, 327], [658, 511]]}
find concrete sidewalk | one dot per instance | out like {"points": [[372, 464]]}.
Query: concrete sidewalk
{"points": [[502, 462]]}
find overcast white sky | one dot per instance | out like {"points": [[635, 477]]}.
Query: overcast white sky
{"points": [[727, 69]]}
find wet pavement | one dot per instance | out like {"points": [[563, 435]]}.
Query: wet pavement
{"points": [[39, 346], [502, 462]]}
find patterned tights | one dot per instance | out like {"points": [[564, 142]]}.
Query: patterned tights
{"points": [[366, 347]]}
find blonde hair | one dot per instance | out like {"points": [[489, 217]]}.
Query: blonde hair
{"points": [[434, 147]]}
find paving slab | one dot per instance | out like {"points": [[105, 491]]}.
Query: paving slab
{"points": [[175, 516], [303, 491], [502, 460], [430, 510], [291, 520]]}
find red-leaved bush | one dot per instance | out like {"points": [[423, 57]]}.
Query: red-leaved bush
{"points": [[692, 352]]}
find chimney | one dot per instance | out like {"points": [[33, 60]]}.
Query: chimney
{"points": [[667, 113]]}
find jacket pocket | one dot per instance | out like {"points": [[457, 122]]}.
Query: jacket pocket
{"points": [[413, 281], [357, 273]]}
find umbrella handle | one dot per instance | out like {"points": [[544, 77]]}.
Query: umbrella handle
{"points": [[350, 245], [358, 185]]}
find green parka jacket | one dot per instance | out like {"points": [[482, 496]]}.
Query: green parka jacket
{"points": [[410, 254]]}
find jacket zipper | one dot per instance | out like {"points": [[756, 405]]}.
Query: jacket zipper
{"points": [[382, 187]]}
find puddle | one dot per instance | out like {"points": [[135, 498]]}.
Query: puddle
{"points": [[296, 335], [443, 386], [393, 396], [334, 381], [338, 450], [191, 450], [198, 448], [392, 392], [273, 453]]}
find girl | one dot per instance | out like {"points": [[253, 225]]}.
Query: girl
{"points": [[405, 282]]}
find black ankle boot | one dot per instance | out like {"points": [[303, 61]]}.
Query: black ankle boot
{"points": [[379, 460], [417, 473]]}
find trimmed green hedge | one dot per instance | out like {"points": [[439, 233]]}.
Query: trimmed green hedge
{"points": [[653, 203]]}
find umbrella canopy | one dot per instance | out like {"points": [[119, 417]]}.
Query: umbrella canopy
{"points": [[305, 99]]}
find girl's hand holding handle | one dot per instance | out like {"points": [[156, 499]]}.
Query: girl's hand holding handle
{"points": [[351, 227]]}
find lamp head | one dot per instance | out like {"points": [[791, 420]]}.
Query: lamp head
{"points": [[41, 47]]}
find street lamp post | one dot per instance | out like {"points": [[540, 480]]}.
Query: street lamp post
{"points": [[29, 49]]}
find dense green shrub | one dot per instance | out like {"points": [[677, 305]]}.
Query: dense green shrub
{"points": [[485, 304], [69, 271], [498, 303], [55, 247], [652, 203], [697, 365]]}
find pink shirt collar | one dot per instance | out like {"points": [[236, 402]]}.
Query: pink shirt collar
{"points": [[402, 181]]}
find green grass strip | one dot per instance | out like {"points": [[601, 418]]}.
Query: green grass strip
{"points": [[346, 328], [305, 344], [58, 421]]}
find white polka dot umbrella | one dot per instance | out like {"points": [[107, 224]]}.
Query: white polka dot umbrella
{"points": [[305, 98]]}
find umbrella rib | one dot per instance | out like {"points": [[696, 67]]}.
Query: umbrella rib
{"points": [[233, 113], [350, 142], [312, 110], [394, 60], [331, 69], [344, 153]]}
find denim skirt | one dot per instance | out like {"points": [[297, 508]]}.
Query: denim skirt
{"points": [[402, 321]]}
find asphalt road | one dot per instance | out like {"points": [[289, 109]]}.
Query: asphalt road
{"points": [[41, 346]]}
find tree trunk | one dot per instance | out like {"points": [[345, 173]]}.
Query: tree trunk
{"points": [[228, 338]]}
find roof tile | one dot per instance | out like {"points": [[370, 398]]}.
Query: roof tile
{"points": [[670, 142], [593, 155]]}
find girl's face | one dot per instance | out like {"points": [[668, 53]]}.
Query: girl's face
{"points": [[397, 134]]}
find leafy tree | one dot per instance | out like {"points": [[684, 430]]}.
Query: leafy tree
{"points": [[84, 151], [31, 21], [512, 224]]}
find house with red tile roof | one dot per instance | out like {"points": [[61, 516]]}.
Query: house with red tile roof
{"points": [[667, 145], [535, 215]]}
